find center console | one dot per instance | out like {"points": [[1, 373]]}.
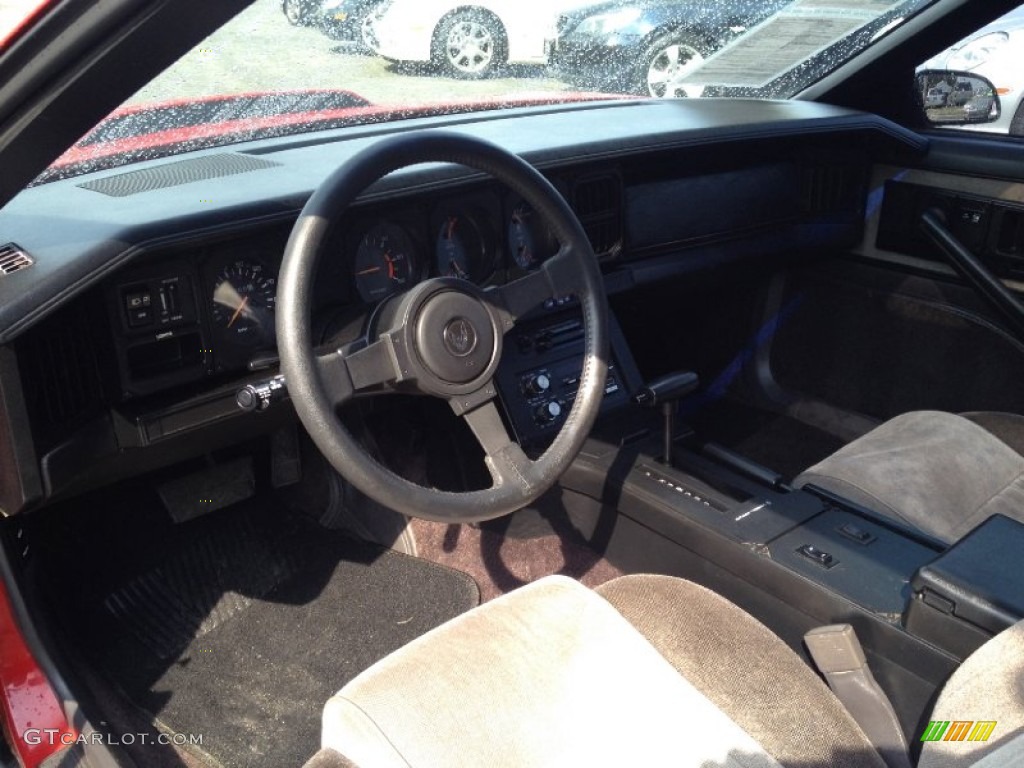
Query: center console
{"points": [[817, 549]]}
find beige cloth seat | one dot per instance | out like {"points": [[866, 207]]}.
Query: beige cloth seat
{"points": [[939, 473], [644, 671], [554, 674]]}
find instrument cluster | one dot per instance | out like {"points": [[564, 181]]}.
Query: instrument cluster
{"points": [[485, 238], [475, 239]]}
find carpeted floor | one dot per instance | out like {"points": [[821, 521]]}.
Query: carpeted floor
{"points": [[513, 551], [240, 630]]}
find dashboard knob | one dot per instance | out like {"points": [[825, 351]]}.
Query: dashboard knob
{"points": [[548, 412], [536, 384], [260, 395]]}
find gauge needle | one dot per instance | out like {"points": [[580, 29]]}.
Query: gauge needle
{"points": [[238, 311], [226, 295], [456, 270], [368, 271]]}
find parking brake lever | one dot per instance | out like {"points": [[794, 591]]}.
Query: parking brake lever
{"points": [[666, 391]]}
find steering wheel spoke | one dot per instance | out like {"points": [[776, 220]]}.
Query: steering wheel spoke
{"points": [[346, 372], [557, 278], [507, 462], [333, 373], [488, 428]]}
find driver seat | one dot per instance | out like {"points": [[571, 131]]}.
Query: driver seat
{"points": [[644, 671]]}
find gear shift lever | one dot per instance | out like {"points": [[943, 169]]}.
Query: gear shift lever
{"points": [[665, 391]]}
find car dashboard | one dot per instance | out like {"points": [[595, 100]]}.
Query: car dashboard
{"points": [[152, 296]]}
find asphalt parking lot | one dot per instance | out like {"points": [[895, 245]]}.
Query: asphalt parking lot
{"points": [[259, 50]]}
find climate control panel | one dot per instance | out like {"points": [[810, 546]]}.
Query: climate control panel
{"points": [[540, 375]]}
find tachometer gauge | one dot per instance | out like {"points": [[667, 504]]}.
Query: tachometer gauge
{"points": [[244, 295], [460, 249], [529, 241], [385, 262]]}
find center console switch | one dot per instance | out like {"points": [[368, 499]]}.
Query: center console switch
{"points": [[851, 555], [972, 591], [540, 373]]}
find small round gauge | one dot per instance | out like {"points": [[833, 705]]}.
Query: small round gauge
{"points": [[460, 249], [385, 262], [529, 241], [244, 295]]}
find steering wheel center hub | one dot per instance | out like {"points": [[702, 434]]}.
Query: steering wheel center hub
{"points": [[460, 337], [455, 337]]}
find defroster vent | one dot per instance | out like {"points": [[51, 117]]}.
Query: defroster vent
{"points": [[178, 173], [13, 259]]}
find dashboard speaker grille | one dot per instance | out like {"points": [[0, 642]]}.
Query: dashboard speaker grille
{"points": [[13, 259], [176, 174]]}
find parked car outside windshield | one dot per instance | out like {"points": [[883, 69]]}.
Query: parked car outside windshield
{"points": [[465, 40], [348, 20], [643, 47]]}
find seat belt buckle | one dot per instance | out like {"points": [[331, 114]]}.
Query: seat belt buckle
{"points": [[835, 649], [839, 656]]}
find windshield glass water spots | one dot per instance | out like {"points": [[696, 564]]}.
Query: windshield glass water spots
{"points": [[292, 66]]}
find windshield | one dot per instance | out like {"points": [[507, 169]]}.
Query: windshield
{"points": [[290, 66]]}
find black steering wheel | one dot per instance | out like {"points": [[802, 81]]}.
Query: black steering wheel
{"points": [[441, 338]]}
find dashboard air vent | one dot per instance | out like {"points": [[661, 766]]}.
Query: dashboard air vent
{"points": [[60, 372], [597, 201], [13, 259], [830, 189], [176, 174]]}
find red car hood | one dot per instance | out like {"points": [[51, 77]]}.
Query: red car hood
{"points": [[156, 130]]}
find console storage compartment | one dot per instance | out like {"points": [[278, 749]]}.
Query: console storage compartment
{"points": [[972, 591]]}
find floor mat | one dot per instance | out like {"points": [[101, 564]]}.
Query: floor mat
{"points": [[774, 440], [242, 630]]}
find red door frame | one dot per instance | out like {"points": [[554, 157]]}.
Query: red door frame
{"points": [[33, 716]]}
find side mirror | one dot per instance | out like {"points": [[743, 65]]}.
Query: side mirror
{"points": [[956, 98]]}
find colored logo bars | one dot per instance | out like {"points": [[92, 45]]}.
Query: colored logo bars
{"points": [[958, 730]]}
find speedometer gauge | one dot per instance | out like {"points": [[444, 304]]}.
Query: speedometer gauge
{"points": [[385, 262], [244, 294]]}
